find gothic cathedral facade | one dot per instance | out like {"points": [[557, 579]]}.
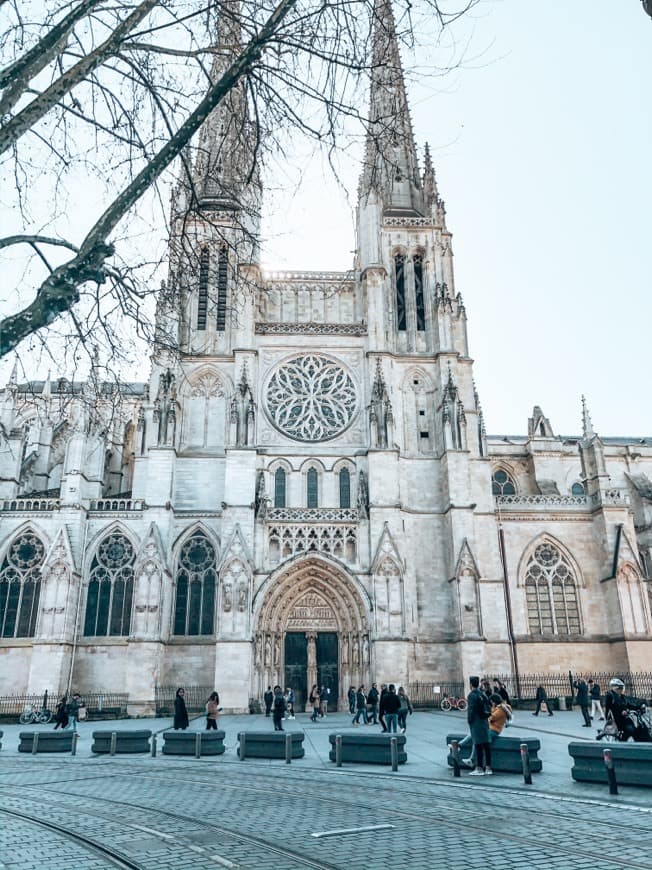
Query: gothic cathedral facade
{"points": [[304, 492]]}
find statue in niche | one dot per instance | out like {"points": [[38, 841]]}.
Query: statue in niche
{"points": [[165, 408], [258, 649], [228, 602], [345, 651], [363, 496], [365, 650], [312, 652], [277, 652], [356, 653], [268, 651], [242, 597]]}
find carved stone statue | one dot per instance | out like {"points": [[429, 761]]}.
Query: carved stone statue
{"points": [[242, 597], [228, 601]]}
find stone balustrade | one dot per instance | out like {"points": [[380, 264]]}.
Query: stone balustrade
{"points": [[31, 504]]}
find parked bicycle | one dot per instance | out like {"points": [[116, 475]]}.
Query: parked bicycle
{"points": [[450, 702], [30, 716]]}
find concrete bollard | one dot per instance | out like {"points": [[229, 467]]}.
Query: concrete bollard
{"points": [[525, 762], [455, 752], [114, 742], [198, 745], [35, 743], [611, 773], [288, 749], [243, 746], [75, 738], [393, 749], [338, 750], [153, 745]]}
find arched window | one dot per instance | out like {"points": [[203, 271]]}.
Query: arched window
{"points": [[20, 586], [279, 488], [312, 493], [551, 592], [202, 296], [345, 488], [577, 489], [194, 610], [399, 274], [418, 292], [502, 484], [110, 589], [222, 283]]}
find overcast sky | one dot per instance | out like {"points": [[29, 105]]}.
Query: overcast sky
{"points": [[542, 142]]}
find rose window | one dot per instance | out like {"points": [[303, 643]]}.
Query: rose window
{"points": [[311, 398]]}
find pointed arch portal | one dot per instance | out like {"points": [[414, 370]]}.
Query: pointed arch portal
{"points": [[312, 627]]}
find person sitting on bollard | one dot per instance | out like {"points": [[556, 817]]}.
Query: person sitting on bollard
{"points": [[542, 698], [212, 709], [180, 711], [501, 713], [268, 698], [391, 706], [360, 707], [278, 709], [404, 709], [316, 704]]}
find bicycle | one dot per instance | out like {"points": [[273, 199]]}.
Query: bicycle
{"points": [[30, 716], [450, 702]]}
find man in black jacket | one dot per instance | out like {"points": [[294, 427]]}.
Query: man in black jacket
{"points": [[268, 697], [372, 704], [381, 707], [583, 700]]}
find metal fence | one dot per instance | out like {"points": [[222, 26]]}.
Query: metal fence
{"points": [[638, 683], [195, 698], [427, 695], [98, 704]]}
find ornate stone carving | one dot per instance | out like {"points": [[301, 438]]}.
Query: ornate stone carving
{"points": [[311, 328], [311, 398], [287, 540]]}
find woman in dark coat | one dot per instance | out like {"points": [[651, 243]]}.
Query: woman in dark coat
{"points": [[180, 712], [61, 716]]}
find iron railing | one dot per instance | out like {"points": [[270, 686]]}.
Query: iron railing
{"points": [[195, 698], [99, 705], [424, 696], [637, 683]]}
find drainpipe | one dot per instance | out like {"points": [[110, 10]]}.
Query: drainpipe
{"points": [[508, 607]]}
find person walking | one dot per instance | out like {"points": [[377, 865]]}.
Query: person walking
{"points": [[542, 698], [212, 709], [360, 707], [583, 701], [351, 699], [372, 704], [289, 703], [315, 699], [596, 706], [324, 695], [268, 698], [477, 715], [72, 709], [381, 707], [180, 711], [61, 715], [391, 705], [404, 709], [278, 710]]}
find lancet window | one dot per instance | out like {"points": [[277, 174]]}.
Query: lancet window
{"points": [[399, 277], [577, 489], [202, 296], [551, 593], [418, 292], [194, 609], [280, 488], [110, 589], [222, 284], [20, 586], [502, 483], [345, 488], [312, 489]]}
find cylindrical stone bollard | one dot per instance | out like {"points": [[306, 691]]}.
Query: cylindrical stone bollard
{"points": [[243, 746], [114, 742], [611, 773], [153, 745], [198, 745], [338, 750], [35, 743], [75, 738], [525, 762], [288, 749], [455, 752], [393, 749]]}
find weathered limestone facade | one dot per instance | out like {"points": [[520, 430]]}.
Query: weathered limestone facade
{"points": [[304, 492]]}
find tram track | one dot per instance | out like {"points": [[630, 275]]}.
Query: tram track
{"points": [[470, 813]]}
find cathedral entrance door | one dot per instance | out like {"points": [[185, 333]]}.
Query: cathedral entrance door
{"points": [[327, 673], [296, 666]]}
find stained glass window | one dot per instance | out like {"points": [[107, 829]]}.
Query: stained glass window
{"points": [[551, 593], [202, 296], [20, 586], [312, 491], [345, 488], [194, 610], [279, 488], [502, 484], [110, 588], [399, 276]]}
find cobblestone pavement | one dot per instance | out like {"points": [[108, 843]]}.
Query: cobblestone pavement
{"points": [[169, 813]]}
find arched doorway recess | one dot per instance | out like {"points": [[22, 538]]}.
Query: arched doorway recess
{"points": [[312, 626]]}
